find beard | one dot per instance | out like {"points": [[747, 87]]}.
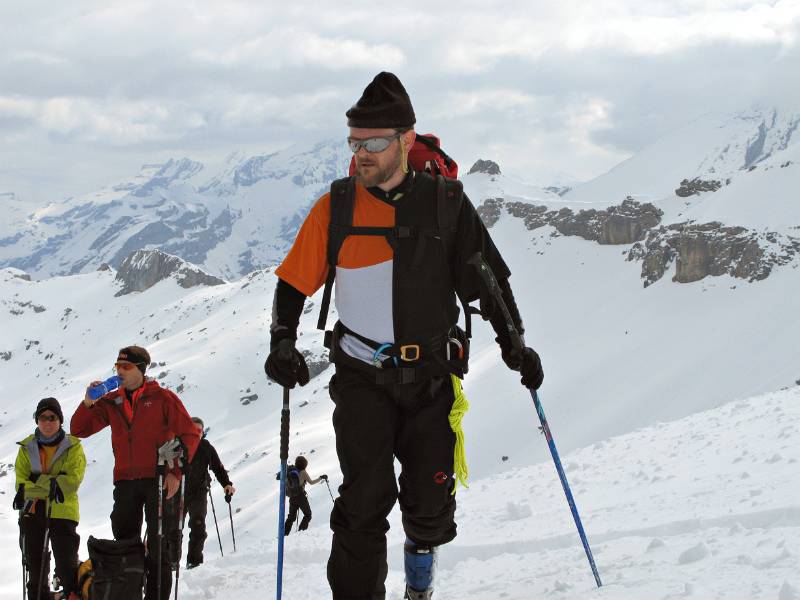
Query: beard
{"points": [[378, 171]]}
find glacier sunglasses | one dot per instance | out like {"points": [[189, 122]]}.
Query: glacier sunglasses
{"points": [[373, 144], [125, 366]]}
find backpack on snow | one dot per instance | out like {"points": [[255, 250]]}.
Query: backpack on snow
{"points": [[114, 571], [424, 156]]}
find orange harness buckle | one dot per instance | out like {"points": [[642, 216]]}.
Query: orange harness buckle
{"points": [[409, 352]]}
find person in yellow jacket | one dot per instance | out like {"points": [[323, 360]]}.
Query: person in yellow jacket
{"points": [[49, 469]]}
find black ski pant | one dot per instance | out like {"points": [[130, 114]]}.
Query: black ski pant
{"points": [[64, 540], [374, 424], [131, 497], [196, 510], [298, 503]]}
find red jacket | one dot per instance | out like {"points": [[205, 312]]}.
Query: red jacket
{"points": [[137, 431]]}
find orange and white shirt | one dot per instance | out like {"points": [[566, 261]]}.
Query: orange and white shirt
{"points": [[363, 284]]}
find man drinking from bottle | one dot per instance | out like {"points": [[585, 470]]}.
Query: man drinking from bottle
{"points": [[143, 417]]}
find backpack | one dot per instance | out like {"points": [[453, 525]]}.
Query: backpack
{"points": [[85, 578], [293, 487], [115, 570], [424, 156]]}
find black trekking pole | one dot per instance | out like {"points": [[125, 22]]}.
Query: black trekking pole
{"points": [[485, 272], [284, 454], [22, 540], [329, 490], [45, 548], [160, 470], [181, 522], [230, 514], [214, 512]]}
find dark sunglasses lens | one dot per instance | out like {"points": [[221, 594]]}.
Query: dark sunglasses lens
{"points": [[377, 144], [48, 418]]}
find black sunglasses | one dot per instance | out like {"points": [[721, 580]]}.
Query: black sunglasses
{"points": [[48, 418], [373, 144]]}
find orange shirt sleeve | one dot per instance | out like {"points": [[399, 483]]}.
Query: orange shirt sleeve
{"points": [[305, 268]]}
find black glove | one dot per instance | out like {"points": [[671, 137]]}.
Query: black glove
{"points": [[324, 477], [285, 365], [528, 364], [19, 499]]}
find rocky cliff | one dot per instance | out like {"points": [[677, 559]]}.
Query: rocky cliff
{"points": [[144, 268]]}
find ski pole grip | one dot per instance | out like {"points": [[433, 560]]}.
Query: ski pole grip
{"points": [[490, 281], [285, 425]]}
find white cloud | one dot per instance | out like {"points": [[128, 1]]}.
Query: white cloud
{"points": [[297, 47], [568, 86]]}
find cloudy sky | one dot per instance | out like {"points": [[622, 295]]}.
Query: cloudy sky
{"points": [[552, 90]]}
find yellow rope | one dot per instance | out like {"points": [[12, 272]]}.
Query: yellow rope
{"points": [[403, 155], [460, 407]]}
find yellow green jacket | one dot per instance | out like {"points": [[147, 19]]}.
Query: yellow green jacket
{"points": [[68, 466]]}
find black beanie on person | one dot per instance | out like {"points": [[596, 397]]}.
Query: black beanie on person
{"points": [[383, 105], [50, 404], [136, 355]]}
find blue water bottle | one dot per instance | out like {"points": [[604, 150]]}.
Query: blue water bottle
{"points": [[101, 389]]}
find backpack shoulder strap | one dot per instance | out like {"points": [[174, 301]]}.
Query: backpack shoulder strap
{"points": [[343, 194], [449, 199]]}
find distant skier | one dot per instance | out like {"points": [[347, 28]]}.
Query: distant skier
{"points": [[296, 479], [198, 486], [398, 243]]}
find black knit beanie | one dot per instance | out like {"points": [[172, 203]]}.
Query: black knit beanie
{"points": [[50, 404], [136, 355], [383, 105]]}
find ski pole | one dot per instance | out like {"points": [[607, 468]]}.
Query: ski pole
{"points": [[160, 469], [486, 274], [45, 549], [230, 514], [214, 512], [284, 455], [329, 490], [22, 542], [179, 536]]}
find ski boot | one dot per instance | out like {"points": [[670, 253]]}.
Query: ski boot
{"points": [[420, 563]]}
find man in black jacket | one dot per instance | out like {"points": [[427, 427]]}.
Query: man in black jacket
{"points": [[396, 345], [198, 486]]}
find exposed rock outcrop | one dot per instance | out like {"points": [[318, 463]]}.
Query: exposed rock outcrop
{"points": [[144, 268], [697, 249], [623, 224], [695, 186], [706, 249], [485, 166]]}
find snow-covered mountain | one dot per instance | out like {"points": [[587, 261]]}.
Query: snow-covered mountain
{"points": [[647, 304], [230, 222]]}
